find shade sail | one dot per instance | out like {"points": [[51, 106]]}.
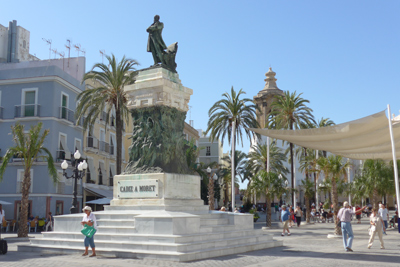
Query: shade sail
{"points": [[365, 138]]}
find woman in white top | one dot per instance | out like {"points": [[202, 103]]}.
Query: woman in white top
{"points": [[89, 219], [376, 227], [298, 213]]}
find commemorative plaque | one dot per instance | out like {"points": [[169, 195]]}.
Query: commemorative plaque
{"points": [[138, 188]]}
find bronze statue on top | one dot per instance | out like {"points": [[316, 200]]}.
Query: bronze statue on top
{"points": [[156, 46]]}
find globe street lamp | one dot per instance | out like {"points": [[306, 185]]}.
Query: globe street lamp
{"points": [[211, 188], [78, 173]]}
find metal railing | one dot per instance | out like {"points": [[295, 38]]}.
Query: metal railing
{"points": [[111, 150], [104, 146], [60, 156], [22, 111], [67, 114], [92, 142]]}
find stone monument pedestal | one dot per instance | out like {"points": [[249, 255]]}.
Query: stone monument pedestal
{"points": [[157, 215], [174, 225]]}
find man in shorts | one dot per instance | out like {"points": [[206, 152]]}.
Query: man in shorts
{"points": [[285, 214]]}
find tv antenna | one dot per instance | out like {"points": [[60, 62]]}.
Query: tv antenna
{"points": [[55, 52], [48, 41], [62, 54], [69, 49], [83, 52], [102, 52], [77, 48]]}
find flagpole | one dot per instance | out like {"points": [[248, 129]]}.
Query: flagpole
{"points": [[396, 175]]}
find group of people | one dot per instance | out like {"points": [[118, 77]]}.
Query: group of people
{"points": [[288, 216], [48, 222], [378, 224]]}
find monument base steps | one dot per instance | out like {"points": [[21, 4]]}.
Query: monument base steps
{"points": [[217, 235]]}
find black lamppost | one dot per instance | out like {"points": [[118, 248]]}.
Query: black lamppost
{"points": [[78, 173]]}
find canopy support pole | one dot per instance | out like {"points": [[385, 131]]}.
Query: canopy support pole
{"points": [[396, 175], [233, 168]]}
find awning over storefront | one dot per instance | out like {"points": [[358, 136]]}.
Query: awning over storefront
{"points": [[365, 138], [100, 201], [103, 193]]}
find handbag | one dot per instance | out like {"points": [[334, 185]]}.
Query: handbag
{"points": [[339, 224], [88, 231]]}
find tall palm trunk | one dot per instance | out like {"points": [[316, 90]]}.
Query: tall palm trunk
{"points": [[269, 212], [118, 122], [375, 199], [338, 230], [308, 211], [23, 216]]}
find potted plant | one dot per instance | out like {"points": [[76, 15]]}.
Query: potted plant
{"points": [[256, 216]]}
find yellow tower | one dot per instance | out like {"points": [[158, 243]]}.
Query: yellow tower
{"points": [[266, 96]]}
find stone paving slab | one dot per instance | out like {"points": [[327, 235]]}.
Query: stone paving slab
{"points": [[307, 246]]}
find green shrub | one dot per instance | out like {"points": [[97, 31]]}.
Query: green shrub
{"points": [[255, 213]]}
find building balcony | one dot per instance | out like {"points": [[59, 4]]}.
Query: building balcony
{"points": [[112, 150], [67, 114], [92, 142], [23, 111], [60, 156], [104, 146]]}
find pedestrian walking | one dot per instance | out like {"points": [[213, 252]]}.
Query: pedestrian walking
{"points": [[291, 217], [285, 220], [298, 213], [377, 225], [50, 222], [384, 213], [344, 216], [90, 220]]}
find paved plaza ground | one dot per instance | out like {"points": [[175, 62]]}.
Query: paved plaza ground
{"points": [[307, 246]]}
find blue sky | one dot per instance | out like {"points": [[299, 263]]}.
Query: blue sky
{"points": [[342, 55]]}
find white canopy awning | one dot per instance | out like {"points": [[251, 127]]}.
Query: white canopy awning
{"points": [[365, 138]]}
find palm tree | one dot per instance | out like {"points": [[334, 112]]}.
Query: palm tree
{"points": [[377, 179], [232, 115], [307, 165], [289, 112], [324, 123], [30, 148], [271, 185], [110, 94], [259, 156], [334, 168], [240, 164], [309, 192]]}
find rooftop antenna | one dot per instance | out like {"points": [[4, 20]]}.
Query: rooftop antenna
{"points": [[77, 48], [102, 52], [48, 41], [62, 54], [69, 49], [83, 52], [55, 52]]}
